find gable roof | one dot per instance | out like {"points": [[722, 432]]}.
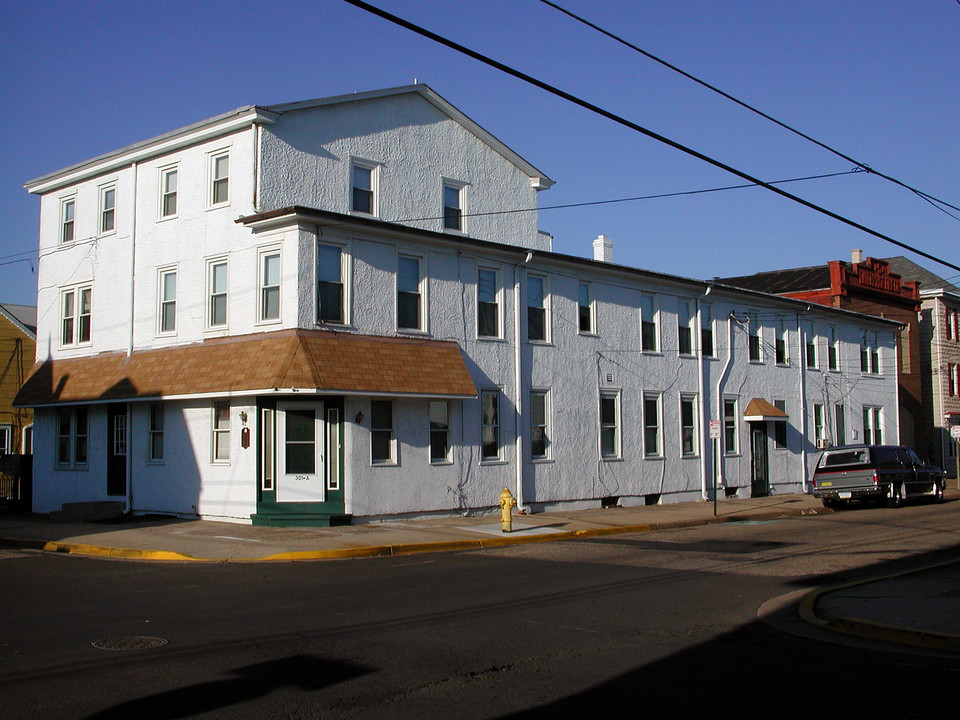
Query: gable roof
{"points": [[23, 316], [909, 270]]}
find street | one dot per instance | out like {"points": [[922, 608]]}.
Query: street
{"points": [[660, 622]]}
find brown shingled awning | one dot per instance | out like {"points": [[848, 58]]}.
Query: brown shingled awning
{"points": [[759, 410], [305, 360]]}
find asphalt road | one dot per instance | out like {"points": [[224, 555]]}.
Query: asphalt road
{"points": [[661, 623]]}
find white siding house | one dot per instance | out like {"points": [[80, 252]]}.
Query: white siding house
{"points": [[343, 309]]}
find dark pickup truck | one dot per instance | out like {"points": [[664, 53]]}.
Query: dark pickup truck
{"points": [[874, 472]]}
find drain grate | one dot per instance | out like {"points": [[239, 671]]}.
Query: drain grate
{"points": [[136, 642]]}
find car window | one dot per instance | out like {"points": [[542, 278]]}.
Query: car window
{"points": [[886, 457], [914, 458], [833, 458]]}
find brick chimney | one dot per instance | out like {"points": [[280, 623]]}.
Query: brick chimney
{"points": [[603, 249]]}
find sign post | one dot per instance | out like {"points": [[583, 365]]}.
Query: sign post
{"points": [[715, 428]]}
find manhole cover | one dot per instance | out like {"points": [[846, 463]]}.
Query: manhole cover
{"points": [[129, 643]]}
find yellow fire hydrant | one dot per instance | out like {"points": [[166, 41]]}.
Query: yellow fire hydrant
{"points": [[507, 503]]}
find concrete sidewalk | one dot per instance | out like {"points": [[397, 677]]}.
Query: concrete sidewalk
{"points": [[919, 609]]}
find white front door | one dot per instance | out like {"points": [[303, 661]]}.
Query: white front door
{"points": [[300, 461]]}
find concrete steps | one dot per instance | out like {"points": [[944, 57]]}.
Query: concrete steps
{"points": [[88, 511]]}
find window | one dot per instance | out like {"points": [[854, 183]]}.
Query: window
{"points": [[156, 432], [819, 434], [833, 349], [6, 439], [872, 434], [452, 206], [221, 431], [753, 339], [684, 333], [330, 286], [168, 192], [951, 379], [409, 296], [780, 347], [688, 425], [648, 323], [869, 354], [951, 325], [167, 317], [731, 445], [72, 428], [488, 306], [706, 330], [609, 426], [490, 425], [77, 308], [811, 344], [536, 308], [67, 212], [108, 209], [439, 431], [269, 286], [539, 425], [220, 178], [840, 422], [780, 426], [217, 293], [585, 307], [382, 437], [364, 178], [269, 457], [651, 425]]}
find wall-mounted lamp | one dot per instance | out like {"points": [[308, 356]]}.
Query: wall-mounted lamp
{"points": [[359, 418]]}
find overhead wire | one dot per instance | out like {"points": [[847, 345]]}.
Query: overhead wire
{"points": [[635, 126]]}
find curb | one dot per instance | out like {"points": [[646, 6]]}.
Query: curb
{"points": [[871, 630], [390, 550]]}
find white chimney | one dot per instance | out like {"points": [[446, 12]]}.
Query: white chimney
{"points": [[856, 256], [603, 249]]}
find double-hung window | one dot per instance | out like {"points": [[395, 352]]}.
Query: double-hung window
{"points": [[269, 286], [68, 209], [330, 284], [453, 206], [156, 432], [217, 293], [651, 425], [731, 434], [684, 331], [780, 426], [537, 316], [706, 331], [76, 311], [539, 425], [72, 428], [409, 293], [869, 354], [609, 425], [872, 434], [490, 425], [220, 432], [363, 180], [488, 304], [810, 336], [439, 431], [382, 435], [840, 424], [754, 349], [819, 426], [689, 445], [167, 302], [648, 323], [586, 321], [833, 349], [780, 348], [219, 172], [108, 209], [168, 192]]}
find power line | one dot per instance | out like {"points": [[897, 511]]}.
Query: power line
{"points": [[634, 126], [929, 198]]}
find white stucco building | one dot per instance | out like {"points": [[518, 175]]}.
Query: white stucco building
{"points": [[344, 308]]}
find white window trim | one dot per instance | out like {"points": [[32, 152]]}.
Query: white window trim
{"points": [[657, 454], [9, 433], [499, 295], [753, 318], [346, 265], [690, 397], [776, 423], [151, 432], [208, 294], [498, 458], [212, 158], [448, 458], [782, 335], [461, 188], [727, 451], [616, 395], [690, 326], [394, 459], [833, 343], [77, 291], [64, 202], [547, 313], [706, 309], [422, 286], [72, 436], [811, 341], [215, 430], [591, 306], [374, 168], [161, 272], [162, 174], [262, 254], [547, 425], [102, 191], [657, 338]]}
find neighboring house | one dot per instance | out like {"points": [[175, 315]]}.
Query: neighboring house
{"points": [[872, 287], [18, 349], [344, 308], [940, 359]]}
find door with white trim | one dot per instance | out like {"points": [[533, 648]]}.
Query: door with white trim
{"points": [[301, 468]]}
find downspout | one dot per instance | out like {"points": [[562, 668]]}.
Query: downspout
{"points": [[133, 277], [896, 371], [703, 424], [939, 324], [722, 379], [518, 403], [801, 363], [257, 137]]}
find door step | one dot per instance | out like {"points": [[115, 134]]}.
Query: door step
{"points": [[88, 511]]}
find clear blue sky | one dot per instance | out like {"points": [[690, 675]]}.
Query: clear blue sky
{"points": [[876, 80]]}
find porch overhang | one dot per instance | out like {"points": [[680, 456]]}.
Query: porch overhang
{"points": [[759, 410], [307, 362]]}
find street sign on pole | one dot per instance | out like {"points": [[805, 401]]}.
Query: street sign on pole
{"points": [[715, 429]]}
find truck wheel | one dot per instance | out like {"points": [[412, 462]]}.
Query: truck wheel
{"points": [[895, 498], [830, 504], [938, 491]]}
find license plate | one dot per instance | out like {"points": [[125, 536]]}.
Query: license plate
{"points": [[843, 495]]}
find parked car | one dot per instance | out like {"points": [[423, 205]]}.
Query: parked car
{"points": [[874, 472]]}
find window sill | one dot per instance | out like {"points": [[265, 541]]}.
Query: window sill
{"points": [[384, 464], [165, 218], [493, 461], [690, 456], [587, 333], [653, 457], [541, 460], [218, 206], [441, 463], [413, 332], [455, 231], [541, 343], [491, 338], [611, 459], [757, 362], [270, 321], [652, 352]]}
